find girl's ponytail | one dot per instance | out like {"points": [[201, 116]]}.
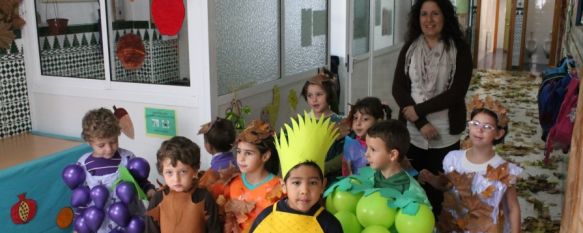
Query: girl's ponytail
{"points": [[388, 111]]}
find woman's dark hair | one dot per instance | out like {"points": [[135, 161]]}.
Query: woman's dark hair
{"points": [[306, 163], [328, 81], [372, 106], [451, 26], [495, 116]]}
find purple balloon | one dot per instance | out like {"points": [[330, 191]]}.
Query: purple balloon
{"points": [[125, 191], [81, 225], [93, 217], [99, 194], [73, 175], [139, 168], [136, 225], [119, 213], [80, 197]]}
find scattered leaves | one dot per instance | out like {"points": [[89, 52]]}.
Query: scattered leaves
{"points": [[537, 183]]}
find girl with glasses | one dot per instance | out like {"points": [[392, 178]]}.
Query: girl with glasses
{"points": [[479, 185]]}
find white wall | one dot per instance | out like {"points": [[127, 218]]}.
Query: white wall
{"points": [[540, 24]]}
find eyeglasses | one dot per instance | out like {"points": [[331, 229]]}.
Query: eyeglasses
{"points": [[484, 126]]}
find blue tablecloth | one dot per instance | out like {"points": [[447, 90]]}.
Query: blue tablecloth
{"points": [[41, 180]]}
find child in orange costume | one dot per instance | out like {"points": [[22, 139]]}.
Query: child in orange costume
{"points": [[257, 187]]}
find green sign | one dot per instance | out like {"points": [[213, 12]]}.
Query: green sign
{"points": [[160, 122]]}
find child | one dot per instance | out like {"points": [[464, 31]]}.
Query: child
{"points": [[101, 130], [478, 177], [302, 151], [219, 137], [387, 144], [180, 206], [322, 93], [257, 186], [362, 116]]}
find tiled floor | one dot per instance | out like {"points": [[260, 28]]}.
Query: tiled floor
{"points": [[541, 186]]}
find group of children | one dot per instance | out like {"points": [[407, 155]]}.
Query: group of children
{"points": [[248, 192]]}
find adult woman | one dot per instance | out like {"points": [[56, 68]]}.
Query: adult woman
{"points": [[431, 80]]}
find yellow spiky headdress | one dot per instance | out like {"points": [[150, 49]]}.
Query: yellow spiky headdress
{"points": [[307, 139], [492, 105]]}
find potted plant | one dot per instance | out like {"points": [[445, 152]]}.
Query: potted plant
{"points": [[57, 26]]}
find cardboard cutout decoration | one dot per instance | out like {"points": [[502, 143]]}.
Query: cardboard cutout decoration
{"points": [[24, 210], [125, 122], [130, 51], [168, 16]]}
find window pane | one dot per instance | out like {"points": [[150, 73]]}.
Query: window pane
{"points": [[69, 39], [384, 24], [247, 43], [361, 27], [161, 59], [306, 29]]}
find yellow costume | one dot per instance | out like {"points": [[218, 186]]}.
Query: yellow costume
{"points": [[279, 221], [306, 140]]}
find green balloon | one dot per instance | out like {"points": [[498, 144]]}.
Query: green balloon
{"points": [[375, 229], [344, 200], [330, 205], [374, 210], [422, 222], [348, 221]]}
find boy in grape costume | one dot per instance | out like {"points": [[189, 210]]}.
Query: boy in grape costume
{"points": [[110, 182]]}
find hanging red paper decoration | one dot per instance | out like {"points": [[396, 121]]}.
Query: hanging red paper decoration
{"points": [[24, 210], [168, 16]]}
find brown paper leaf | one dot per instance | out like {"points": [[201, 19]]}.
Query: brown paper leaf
{"points": [[476, 208], [487, 193], [239, 207], [274, 194], [127, 127], [462, 182], [500, 173]]}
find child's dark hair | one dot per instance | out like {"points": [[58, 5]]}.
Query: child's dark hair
{"points": [[268, 144], [177, 149], [260, 134], [328, 81], [394, 133], [495, 116], [100, 123], [372, 106], [221, 135], [306, 163]]}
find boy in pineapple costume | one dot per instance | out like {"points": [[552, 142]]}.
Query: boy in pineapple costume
{"points": [[302, 149]]}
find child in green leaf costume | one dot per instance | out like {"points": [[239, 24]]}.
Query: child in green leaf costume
{"points": [[385, 182]]}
